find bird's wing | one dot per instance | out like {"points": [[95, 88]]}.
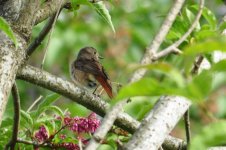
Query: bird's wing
{"points": [[95, 68]]}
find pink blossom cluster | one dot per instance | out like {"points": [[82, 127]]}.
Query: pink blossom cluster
{"points": [[41, 135], [81, 124], [75, 124]]}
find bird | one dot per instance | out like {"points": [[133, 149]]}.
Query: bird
{"points": [[88, 72]]}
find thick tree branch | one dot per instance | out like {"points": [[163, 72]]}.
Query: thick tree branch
{"points": [[10, 10], [94, 103], [24, 24], [21, 18], [158, 123], [10, 60], [49, 8]]}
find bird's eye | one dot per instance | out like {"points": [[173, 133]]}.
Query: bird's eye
{"points": [[95, 53]]}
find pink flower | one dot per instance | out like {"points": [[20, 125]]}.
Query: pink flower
{"points": [[67, 120], [81, 124], [70, 146], [41, 135]]}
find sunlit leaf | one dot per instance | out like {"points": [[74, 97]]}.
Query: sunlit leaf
{"points": [[218, 43], [219, 66], [168, 70], [147, 87], [189, 15], [104, 13], [211, 135], [4, 26], [209, 16], [204, 34]]}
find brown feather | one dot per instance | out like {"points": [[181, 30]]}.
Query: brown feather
{"points": [[104, 83]]}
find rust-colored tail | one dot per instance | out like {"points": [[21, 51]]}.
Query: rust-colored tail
{"points": [[107, 87]]}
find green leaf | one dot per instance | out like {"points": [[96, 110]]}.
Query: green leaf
{"points": [[217, 43], [208, 15], [219, 66], [54, 109], [211, 135], [49, 100], [196, 90], [203, 34], [75, 3], [200, 87], [147, 87], [4, 26], [26, 116], [189, 14], [168, 70], [101, 9], [46, 102]]}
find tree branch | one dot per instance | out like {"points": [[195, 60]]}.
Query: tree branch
{"points": [[10, 60], [187, 126], [158, 123], [172, 47], [49, 8], [158, 39], [38, 40], [16, 102], [108, 121], [94, 103], [22, 19]]}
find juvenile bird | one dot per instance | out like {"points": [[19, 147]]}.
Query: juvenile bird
{"points": [[87, 71]]}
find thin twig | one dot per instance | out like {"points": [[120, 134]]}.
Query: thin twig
{"points": [[196, 65], [35, 102], [163, 53], [186, 115], [38, 40], [36, 145], [172, 47], [187, 127], [50, 35], [52, 136], [16, 103]]}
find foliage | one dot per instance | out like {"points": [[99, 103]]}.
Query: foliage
{"points": [[4, 26], [58, 122]]}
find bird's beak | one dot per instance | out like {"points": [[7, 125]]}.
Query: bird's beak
{"points": [[100, 57]]}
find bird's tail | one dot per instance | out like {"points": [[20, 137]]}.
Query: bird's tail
{"points": [[106, 85]]}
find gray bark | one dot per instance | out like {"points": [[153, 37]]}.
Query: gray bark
{"points": [[158, 123], [20, 15]]}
